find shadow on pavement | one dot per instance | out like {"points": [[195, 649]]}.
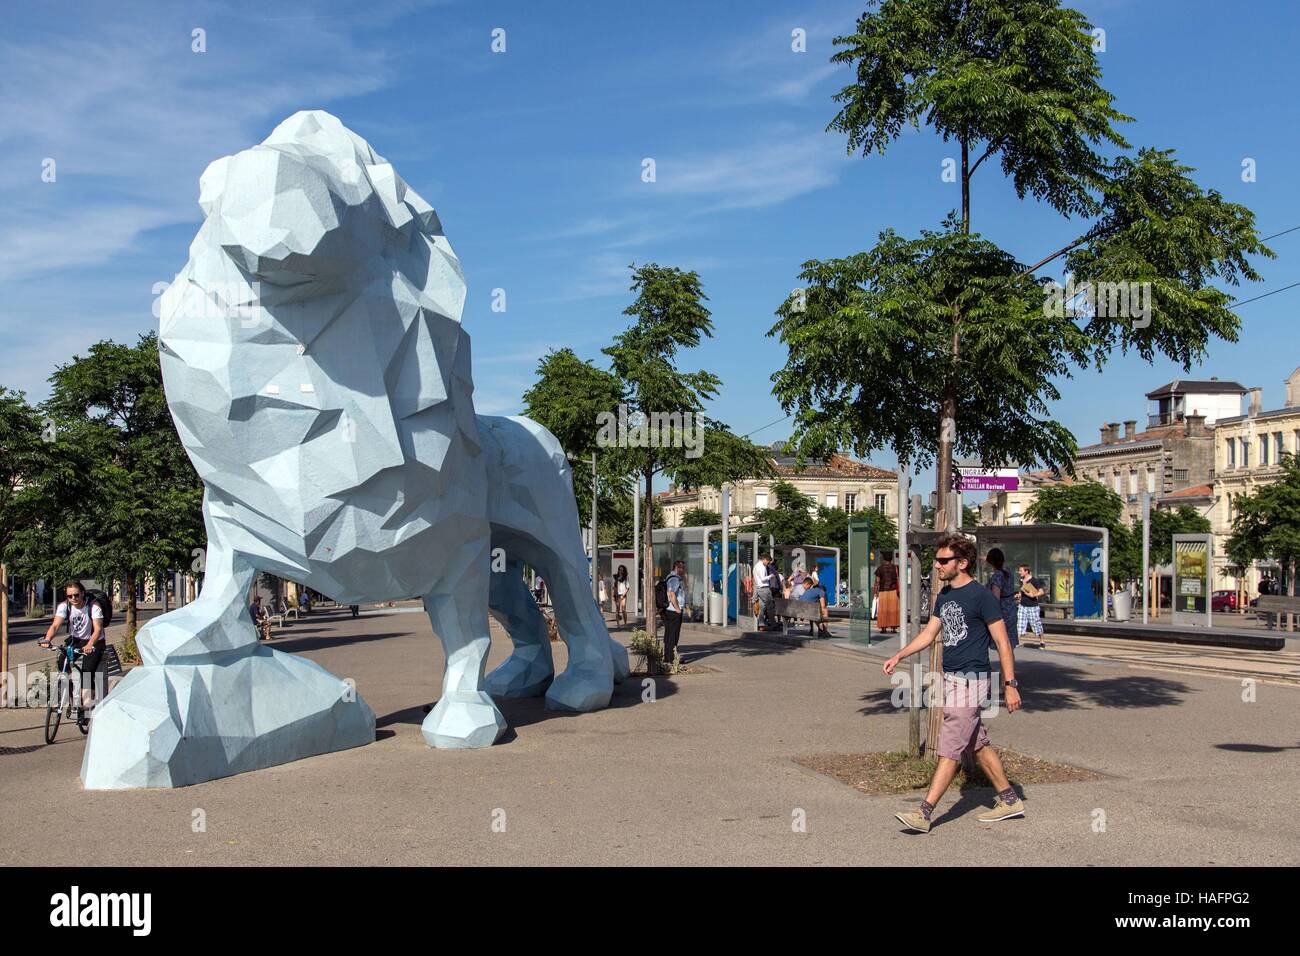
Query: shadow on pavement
{"points": [[744, 647], [1255, 748], [522, 712], [1049, 687], [301, 642]]}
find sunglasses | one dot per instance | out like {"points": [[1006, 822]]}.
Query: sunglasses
{"points": [[938, 559], [75, 597]]}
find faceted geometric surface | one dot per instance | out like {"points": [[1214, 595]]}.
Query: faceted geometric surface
{"points": [[320, 381]]}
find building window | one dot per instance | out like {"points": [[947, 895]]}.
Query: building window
{"points": [[880, 503], [1151, 480], [1263, 450], [1132, 482], [1280, 447], [1245, 453], [832, 500], [760, 499], [1180, 474], [850, 502], [1119, 483], [1232, 453]]}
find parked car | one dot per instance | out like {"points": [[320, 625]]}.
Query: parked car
{"points": [[1223, 601]]}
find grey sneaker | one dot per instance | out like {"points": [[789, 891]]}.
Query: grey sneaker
{"points": [[914, 820], [1002, 811]]}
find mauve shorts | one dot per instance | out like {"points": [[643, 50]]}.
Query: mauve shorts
{"points": [[962, 728]]}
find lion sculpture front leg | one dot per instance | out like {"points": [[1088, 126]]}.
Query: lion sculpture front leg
{"points": [[209, 701]]}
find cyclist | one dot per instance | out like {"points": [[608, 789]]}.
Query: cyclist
{"points": [[85, 632]]}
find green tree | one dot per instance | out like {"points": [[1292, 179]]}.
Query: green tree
{"points": [[1266, 523], [700, 517], [22, 458], [616, 521], [645, 384], [790, 518], [1165, 524], [1093, 504], [961, 322], [567, 399], [126, 498]]}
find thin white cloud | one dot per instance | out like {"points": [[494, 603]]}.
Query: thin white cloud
{"points": [[778, 167], [132, 116]]}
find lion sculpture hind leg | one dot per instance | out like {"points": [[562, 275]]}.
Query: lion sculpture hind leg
{"points": [[534, 520]]}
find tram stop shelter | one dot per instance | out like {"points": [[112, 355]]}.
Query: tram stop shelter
{"points": [[1072, 561]]}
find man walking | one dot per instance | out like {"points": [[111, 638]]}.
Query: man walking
{"points": [[763, 590], [673, 612], [1030, 615], [968, 616]]}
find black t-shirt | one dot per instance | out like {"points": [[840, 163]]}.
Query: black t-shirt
{"points": [[1025, 599], [966, 613]]}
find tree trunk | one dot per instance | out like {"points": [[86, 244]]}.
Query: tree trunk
{"points": [[130, 604], [4, 637]]}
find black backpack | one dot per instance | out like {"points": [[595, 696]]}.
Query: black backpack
{"points": [[661, 594], [103, 602]]}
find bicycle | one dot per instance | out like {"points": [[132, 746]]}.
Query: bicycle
{"points": [[60, 703]]}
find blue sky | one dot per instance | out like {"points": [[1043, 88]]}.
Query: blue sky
{"points": [[533, 159]]}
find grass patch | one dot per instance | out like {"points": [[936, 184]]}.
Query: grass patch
{"points": [[896, 772]]}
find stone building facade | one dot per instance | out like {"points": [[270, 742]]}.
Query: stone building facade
{"points": [[836, 482], [1248, 453]]}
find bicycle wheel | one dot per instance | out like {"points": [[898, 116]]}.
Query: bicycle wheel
{"points": [[53, 712]]}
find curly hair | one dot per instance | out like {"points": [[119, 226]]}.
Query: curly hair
{"points": [[960, 545]]}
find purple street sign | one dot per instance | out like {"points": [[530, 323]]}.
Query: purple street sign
{"points": [[990, 483]]}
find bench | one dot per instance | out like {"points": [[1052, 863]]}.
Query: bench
{"points": [[810, 611], [1275, 605], [1055, 609], [280, 619]]}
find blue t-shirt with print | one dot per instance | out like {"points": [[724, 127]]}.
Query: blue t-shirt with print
{"points": [[966, 613]]}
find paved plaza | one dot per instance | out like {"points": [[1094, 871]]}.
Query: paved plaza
{"points": [[702, 774]]}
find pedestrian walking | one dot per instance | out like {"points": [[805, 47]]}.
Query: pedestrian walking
{"points": [[620, 595], [763, 591], [1004, 588], [887, 593], [1029, 616], [968, 617]]}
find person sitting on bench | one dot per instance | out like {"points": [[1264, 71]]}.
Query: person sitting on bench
{"points": [[815, 593]]}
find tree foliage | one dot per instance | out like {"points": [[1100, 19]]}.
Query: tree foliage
{"points": [[1092, 504], [958, 327], [700, 518], [23, 457], [123, 498], [1165, 524], [575, 398]]}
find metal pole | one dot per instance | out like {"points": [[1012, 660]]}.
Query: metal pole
{"points": [[595, 548], [635, 587], [726, 550], [1146, 553]]}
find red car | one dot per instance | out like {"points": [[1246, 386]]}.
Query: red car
{"points": [[1223, 601]]}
